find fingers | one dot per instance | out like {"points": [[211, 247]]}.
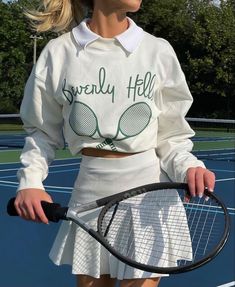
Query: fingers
{"points": [[199, 179], [210, 180], [40, 213], [28, 205]]}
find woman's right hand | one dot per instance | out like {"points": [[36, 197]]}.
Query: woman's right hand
{"points": [[28, 204]]}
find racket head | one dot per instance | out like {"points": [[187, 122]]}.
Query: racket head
{"points": [[205, 235]]}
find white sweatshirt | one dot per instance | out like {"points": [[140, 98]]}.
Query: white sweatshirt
{"points": [[126, 94]]}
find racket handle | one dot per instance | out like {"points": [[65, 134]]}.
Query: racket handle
{"points": [[53, 211], [11, 207]]}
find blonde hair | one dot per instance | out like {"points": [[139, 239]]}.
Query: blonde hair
{"points": [[58, 15]]}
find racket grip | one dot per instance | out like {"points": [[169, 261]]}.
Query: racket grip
{"points": [[11, 207], [53, 211]]}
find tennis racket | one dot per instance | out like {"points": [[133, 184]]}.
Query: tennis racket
{"points": [[157, 228]]}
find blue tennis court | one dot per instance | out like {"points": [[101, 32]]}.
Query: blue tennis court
{"points": [[25, 245]]}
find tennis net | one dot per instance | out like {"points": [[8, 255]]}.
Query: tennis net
{"points": [[214, 139]]}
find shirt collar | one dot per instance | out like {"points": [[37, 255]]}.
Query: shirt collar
{"points": [[130, 39]]}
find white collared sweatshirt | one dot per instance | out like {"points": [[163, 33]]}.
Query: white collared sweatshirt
{"points": [[126, 94]]}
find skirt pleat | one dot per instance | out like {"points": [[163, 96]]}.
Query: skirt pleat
{"points": [[100, 177]]}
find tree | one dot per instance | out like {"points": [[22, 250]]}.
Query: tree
{"points": [[12, 58], [211, 59], [201, 33], [16, 53], [203, 36]]}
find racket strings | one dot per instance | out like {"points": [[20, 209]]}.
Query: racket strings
{"points": [[203, 224], [198, 218], [159, 229], [142, 240], [209, 236], [202, 241]]}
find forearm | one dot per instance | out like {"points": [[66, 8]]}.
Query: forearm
{"points": [[37, 155], [176, 158]]}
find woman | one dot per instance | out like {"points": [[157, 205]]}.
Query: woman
{"points": [[118, 96]]}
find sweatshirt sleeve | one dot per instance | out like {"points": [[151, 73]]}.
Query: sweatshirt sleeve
{"points": [[43, 121], [174, 100]]}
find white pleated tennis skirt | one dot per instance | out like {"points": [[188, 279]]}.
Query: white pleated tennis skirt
{"points": [[99, 177]]}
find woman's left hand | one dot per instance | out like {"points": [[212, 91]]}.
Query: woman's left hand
{"points": [[199, 179]]}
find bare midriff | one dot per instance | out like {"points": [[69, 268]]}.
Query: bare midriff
{"points": [[104, 153]]}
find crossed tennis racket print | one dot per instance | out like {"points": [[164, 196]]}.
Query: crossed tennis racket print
{"points": [[132, 122]]}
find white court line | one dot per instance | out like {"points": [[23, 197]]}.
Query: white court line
{"points": [[9, 169], [3, 149], [214, 150], [66, 164], [230, 208], [51, 172], [231, 284], [52, 166], [50, 186], [225, 170], [78, 163], [9, 163], [57, 159], [209, 206], [61, 187], [225, 179], [219, 153], [58, 191], [64, 189], [9, 182]]}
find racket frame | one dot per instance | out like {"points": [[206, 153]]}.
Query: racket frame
{"points": [[165, 270], [72, 213], [112, 200]]}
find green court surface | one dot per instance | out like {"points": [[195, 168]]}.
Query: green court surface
{"points": [[7, 156], [11, 128], [210, 140], [213, 145], [203, 140]]}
